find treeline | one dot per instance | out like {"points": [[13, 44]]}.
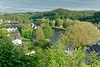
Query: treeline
{"points": [[94, 19], [52, 15]]}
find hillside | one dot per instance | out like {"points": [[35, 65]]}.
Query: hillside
{"points": [[54, 14], [94, 19]]}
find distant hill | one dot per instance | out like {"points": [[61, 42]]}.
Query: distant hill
{"points": [[94, 19], [54, 14], [62, 14], [90, 11]]}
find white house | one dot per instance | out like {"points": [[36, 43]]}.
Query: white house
{"points": [[15, 38], [1, 21], [61, 26], [12, 27], [30, 52], [7, 21], [98, 25], [33, 26]]}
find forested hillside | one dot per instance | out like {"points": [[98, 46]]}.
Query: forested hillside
{"points": [[94, 19], [52, 15]]}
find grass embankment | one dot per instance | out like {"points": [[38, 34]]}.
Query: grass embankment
{"points": [[26, 40], [59, 28]]}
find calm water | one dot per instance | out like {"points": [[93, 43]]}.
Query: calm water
{"points": [[11, 6]]}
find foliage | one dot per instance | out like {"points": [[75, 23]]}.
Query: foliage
{"points": [[26, 30], [56, 57], [1, 26], [42, 44], [82, 34], [94, 18], [52, 15], [52, 23], [47, 30], [39, 34], [59, 22], [12, 57], [26, 39], [67, 23]]}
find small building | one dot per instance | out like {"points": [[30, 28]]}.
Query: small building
{"points": [[61, 26], [33, 26], [97, 25], [7, 21], [30, 52], [95, 48], [15, 38], [11, 27], [1, 21]]}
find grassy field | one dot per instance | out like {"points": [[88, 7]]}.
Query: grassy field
{"points": [[26, 40]]}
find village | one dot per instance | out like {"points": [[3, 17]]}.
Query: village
{"points": [[13, 26]]}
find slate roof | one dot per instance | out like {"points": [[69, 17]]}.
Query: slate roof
{"points": [[15, 36], [95, 48], [11, 26]]}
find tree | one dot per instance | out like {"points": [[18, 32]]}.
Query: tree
{"points": [[47, 30], [28, 33], [52, 23], [43, 20], [67, 23], [26, 30], [59, 22], [39, 33], [82, 34], [55, 56], [1, 26]]}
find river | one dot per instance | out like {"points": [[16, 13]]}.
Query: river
{"points": [[57, 35]]}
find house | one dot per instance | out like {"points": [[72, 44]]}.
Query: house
{"points": [[11, 27], [7, 21], [95, 48], [97, 25], [1, 21], [33, 26], [30, 52], [61, 26], [15, 38]]}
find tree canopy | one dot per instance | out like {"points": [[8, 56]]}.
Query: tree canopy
{"points": [[39, 34], [82, 33]]}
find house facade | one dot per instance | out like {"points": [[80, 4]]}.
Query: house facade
{"points": [[33, 26], [12, 27], [15, 38], [1, 21], [30, 52]]}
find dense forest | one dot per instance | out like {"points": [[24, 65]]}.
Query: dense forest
{"points": [[52, 15], [91, 16]]}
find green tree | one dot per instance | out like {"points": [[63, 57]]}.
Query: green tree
{"points": [[67, 23], [52, 23], [1, 26], [82, 34], [59, 22], [39, 33], [28, 33], [26, 30], [47, 30]]}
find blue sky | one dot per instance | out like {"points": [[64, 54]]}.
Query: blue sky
{"points": [[11, 6]]}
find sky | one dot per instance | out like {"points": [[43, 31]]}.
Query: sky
{"points": [[13, 6]]}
